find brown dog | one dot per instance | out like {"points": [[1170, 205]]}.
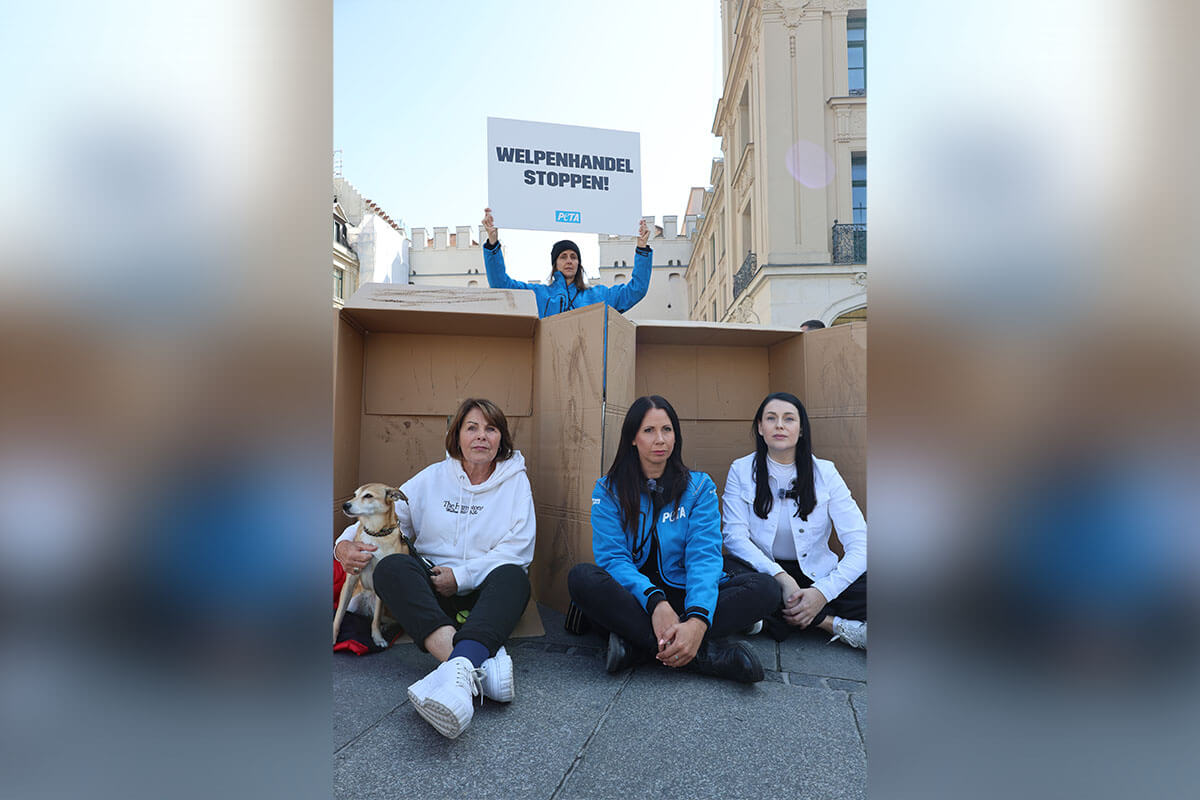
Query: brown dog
{"points": [[373, 507]]}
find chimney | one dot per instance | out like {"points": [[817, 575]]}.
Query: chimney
{"points": [[462, 237], [669, 222], [439, 238], [418, 239], [650, 225], [689, 225]]}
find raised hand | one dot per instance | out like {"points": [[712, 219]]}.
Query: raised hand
{"points": [[489, 225], [643, 233]]}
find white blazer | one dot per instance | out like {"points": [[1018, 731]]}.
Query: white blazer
{"points": [[752, 539]]}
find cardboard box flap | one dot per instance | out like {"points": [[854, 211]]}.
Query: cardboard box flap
{"points": [[428, 375], [444, 310], [710, 333], [835, 371], [713, 382]]}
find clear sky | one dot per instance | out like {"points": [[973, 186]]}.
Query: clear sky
{"points": [[414, 84]]}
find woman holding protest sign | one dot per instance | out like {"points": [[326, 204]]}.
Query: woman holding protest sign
{"points": [[566, 288], [659, 585], [780, 505]]}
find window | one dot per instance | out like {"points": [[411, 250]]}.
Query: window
{"points": [[472, 283], [858, 187], [712, 246], [856, 53], [616, 263], [620, 276], [857, 315], [339, 283], [714, 316]]}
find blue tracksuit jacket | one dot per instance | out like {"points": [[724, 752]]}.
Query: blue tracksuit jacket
{"points": [[558, 296], [689, 545]]}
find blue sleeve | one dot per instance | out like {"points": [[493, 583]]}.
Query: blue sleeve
{"points": [[493, 262], [625, 296], [610, 547], [702, 550]]}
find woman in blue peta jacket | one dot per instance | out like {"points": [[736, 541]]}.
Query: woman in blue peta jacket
{"points": [[566, 288], [659, 586]]}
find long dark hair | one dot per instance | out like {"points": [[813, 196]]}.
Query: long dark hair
{"points": [[802, 489], [625, 476]]}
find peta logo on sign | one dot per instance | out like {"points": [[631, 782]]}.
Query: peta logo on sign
{"points": [[567, 216]]}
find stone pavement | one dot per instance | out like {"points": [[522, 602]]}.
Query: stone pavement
{"points": [[575, 731]]}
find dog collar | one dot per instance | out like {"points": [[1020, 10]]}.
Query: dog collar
{"points": [[381, 531]]}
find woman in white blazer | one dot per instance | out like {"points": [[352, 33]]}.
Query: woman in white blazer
{"points": [[780, 505]]}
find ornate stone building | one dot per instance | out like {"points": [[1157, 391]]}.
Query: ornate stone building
{"points": [[782, 232], [667, 297], [365, 233], [447, 259], [345, 260]]}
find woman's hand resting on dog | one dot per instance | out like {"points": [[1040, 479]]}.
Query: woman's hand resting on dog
{"points": [[444, 582], [353, 555]]}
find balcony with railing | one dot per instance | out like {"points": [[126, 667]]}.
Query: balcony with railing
{"points": [[745, 274], [849, 243]]}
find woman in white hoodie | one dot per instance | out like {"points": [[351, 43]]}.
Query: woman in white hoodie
{"points": [[471, 518]]}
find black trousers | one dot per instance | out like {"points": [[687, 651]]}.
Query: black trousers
{"points": [[495, 606], [742, 601], [850, 604]]}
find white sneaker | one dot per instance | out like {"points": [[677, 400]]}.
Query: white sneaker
{"points": [[496, 677], [851, 631], [444, 696], [754, 629]]}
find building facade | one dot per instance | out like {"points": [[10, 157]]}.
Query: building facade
{"points": [[345, 260], [781, 237], [446, 259], [667, 297], [376, 240]]}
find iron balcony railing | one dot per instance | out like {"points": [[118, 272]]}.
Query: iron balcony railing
{"points": [[745, 274], [850, 243]]}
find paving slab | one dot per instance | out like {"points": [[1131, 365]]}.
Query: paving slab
{"points": [[679, 735], [516, 750], [858, 702], [765, 648], [575, 731], [552, 621], [813, 654], [366, 688]]}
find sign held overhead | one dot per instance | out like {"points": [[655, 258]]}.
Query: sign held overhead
{"points": [[548, 177]]}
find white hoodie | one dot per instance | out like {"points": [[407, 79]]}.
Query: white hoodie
{"points": [[471, 529]]}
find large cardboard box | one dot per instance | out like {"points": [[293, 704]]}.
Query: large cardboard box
{"points": [[406, 356], [592, 363]]}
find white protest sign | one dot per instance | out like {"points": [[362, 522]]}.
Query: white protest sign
{"points": [[547, 177]]}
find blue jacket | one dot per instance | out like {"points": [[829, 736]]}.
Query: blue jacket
{"points": [[558, 296], [689, 545]]}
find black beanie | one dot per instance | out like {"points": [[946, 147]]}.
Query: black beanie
{"points": [[559, 247]]}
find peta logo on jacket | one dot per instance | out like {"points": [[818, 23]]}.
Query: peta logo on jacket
{"points": [[671, 516]]}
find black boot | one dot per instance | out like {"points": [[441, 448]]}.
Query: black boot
{"points": [[621, 654], [725, 659]]}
